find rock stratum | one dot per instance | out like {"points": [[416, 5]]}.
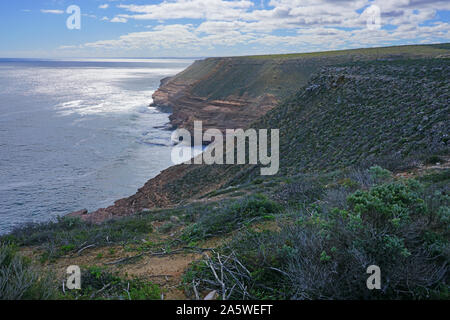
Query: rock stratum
{"points": [[188, 99], [233, 92]]}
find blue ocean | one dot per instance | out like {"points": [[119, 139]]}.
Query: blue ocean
{"points": [[78, 134]]}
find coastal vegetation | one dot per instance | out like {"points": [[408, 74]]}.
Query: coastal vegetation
{"points": [[364, 180]]}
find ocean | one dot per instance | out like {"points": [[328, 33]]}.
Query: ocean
{"points": [[78, 134]]}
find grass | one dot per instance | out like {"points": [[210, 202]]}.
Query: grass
{"points": [[330, 222], [283, 74], [408, 50], [436, 177], [68, 235]]}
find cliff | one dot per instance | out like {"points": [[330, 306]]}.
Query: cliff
{"points": [[233, 92], [339, 109]]}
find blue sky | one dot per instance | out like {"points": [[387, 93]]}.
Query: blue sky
{"points": [[192, 28]]}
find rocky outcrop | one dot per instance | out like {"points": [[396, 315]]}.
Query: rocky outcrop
{"points": [[230, 113], [168, 189], [78, 214], [233, 92]]}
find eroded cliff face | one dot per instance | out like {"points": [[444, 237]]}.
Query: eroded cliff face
{"points": [[231, 93], [232, 112], [171, 187]]}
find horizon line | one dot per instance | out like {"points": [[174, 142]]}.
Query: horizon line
{"points": [[228, 56]]}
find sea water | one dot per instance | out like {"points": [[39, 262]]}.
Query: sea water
{"points": [[78, 134]]}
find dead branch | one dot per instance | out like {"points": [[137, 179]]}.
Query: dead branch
{"points": [[159, 254], [84, 248], [99, 291]]}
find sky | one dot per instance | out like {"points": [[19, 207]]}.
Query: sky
{"points": [[200, 28]]}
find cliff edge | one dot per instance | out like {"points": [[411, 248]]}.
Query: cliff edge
{"points": [[338, 109], [233, 92]]}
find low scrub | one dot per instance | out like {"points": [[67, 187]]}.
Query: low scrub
{"points": [[100, 284], [19, 280], [70, 234], [229, 216], [402, 227]]}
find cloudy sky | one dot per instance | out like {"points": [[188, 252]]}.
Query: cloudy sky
{"points": [[198, 28]]}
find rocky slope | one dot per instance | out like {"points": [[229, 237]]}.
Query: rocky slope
{"points": [[233, 110], [391, 110], [233, 92]]}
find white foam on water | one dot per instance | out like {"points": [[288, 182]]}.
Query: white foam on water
{"points": [[98, 90], [114, 102]]}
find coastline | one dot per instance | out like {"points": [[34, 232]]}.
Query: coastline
{"points": [[209, 91], [176, 97]]}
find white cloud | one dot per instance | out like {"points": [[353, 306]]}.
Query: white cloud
{"points": [[119, 20], [281, 25], [52, 11], [171, 36], [103, 6], [189, 9]]}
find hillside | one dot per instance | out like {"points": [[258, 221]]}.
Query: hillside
{"points": [[391, 112], [233, 92]]}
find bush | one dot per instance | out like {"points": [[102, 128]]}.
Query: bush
{"points": [[70, 234], [325, 254], [230, 216], [386, 206], [141, 290], [100, 284], [379, 174], [19, 280], [305, 189], [433, 160]]}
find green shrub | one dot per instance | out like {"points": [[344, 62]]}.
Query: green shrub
{"points": [[325, 254], [100, 284], [142, 290], [68, 234], [19, 280], [380, 174], [433, 160], [231, 216], [390, 204]]}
